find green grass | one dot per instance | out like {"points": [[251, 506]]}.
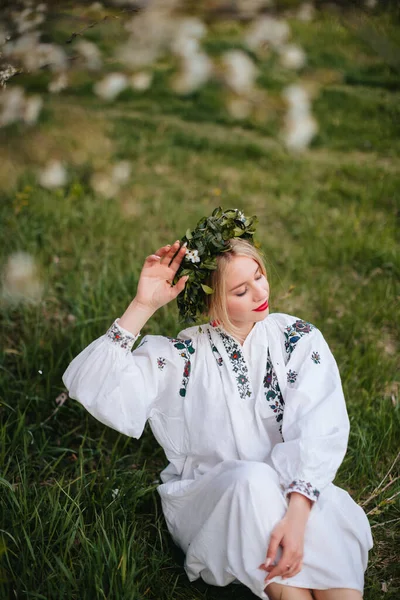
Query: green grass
{"points": [[328, 229]]}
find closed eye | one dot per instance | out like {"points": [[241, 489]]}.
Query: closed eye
{"points": [[256, 279]]}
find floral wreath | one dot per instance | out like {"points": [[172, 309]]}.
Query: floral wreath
{"points": [[209, 238]]}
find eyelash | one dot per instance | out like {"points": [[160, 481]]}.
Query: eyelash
{"points": [[257, 279]]}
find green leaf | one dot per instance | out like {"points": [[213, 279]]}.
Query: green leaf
{"points": [[188, 234], [207, 289]]}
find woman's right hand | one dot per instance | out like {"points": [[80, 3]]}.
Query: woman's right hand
{"points": [[155, 283]]}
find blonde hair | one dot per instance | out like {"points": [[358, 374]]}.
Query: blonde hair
{"points": [[216, 302]]}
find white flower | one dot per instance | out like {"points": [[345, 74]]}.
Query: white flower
{"points": [[112, 85], [292, 56], [240, 71], [90, 52], [267, 31], [59, 83], [115, 493], [298, 99], [104, 185], [187, 35], [11, 105], [195, 71], [306, 12], [27, 20], [141, 81], [53, 175], [21, 280], [32, 108], [192, 255], [121, 172], [299, 131], [240, 216]]}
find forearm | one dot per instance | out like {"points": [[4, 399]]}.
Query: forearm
{"points": [[135, 317], [299, 507]]}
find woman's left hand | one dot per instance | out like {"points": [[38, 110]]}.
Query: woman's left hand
{"points": [[288, 533]]}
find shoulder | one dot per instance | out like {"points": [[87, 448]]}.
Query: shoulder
{"points": [[289, 324], [291, 331]]}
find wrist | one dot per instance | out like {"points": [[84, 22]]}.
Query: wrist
{"points": [[299, 505], [135, 317]]}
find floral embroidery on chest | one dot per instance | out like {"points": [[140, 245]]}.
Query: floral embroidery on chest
{"points": [[293, 333], [186, 349], [273, 393], [238, 363], [216, 353]]}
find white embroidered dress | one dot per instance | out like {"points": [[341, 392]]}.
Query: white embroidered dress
{"points": [[241, 426]]}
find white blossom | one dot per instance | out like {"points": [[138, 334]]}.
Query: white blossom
{"points": [[21, 281], [192, 255], [292, 56], [104, 185], [121, 172], [249, 8], [300, 126], [91, 53], [239, 71], [12, 103], [299, 131], [59, 83], [267, 31], [141, 81], [188, 33], [195, 71], [32, 108], [111, 85], [27, 19], [54, 175], [115, 493], [306, 12]]}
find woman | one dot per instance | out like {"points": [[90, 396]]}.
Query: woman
{"points": [[249, 410]]}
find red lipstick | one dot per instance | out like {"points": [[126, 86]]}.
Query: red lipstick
{"points": [[262, 307]]}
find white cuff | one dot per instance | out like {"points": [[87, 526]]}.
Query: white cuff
{"points": [[122, 337]]}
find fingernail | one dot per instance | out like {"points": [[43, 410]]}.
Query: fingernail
{"points": [[267, 562]]}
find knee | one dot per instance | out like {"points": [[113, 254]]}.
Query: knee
{"points": [[257, 476]]}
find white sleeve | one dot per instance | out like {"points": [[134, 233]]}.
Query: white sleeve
{"points": [[315, 425], [119, 387]]}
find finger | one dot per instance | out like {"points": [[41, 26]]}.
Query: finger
{"points": [[178, 259], [162, 251], [168, 256], [286, 561], [152, 258], [294, 569], [272, 549], [180, 285]]}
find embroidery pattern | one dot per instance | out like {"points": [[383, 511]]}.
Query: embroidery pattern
{"points": [[316, 357], [273, 393], [291, 376], [118, 337], [293, 333], [185, 350], [214, 348], [304, 487], [238, 364], [161, 362]]}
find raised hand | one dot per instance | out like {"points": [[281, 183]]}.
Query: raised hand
{"points": [[155, 283]]}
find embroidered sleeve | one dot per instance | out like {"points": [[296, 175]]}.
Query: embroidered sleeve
{"points": [[121, 337], [315, 424]]}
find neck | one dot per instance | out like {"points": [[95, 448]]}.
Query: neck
{"points": [[242, 331]]}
